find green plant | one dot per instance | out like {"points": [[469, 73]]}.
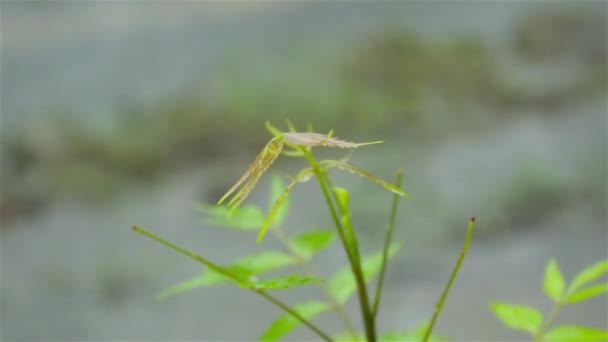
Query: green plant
{"points": [[247, 271], [529, 319]]}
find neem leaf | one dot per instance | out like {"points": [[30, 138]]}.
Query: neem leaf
{"points": [[553, 283], [286, 322], [588, 274], [190, 284], [277, 188], [348, 337], [343, 202], [282, 283], [575, 333], [265, 261], [306, 244], [342, 284], [409, 336], [586, 293], [344, 166], [243, 218], [518, 317], [279, 203]]}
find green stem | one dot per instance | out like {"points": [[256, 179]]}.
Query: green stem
{"points": [[550, 317], [262, 293], [303, 262], [324, 182], [444, 295], [387, 242]]}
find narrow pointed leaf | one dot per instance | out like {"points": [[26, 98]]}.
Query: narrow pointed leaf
{"points": [[553, 283], [342, 284], [348, 337], [589, 274], [575, 333], [184, 286], [265, 261], [273, 130], [242, 218], [277, 190], [245, 268], [586, 293], [518, 317], [308, 243], [344, 166], [282, 283], [279, 206], [407, 336], [286, 322], [343, 202]]}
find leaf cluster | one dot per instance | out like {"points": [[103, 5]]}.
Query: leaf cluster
{"points": [[583, 287]]}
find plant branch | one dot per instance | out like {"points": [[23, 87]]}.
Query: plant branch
{"points": [[261, 292], [303, 262], [387, 242], [444, 295], [550, 317], [324, 182]]}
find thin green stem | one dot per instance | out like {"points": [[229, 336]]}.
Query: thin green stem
{"points": [[211, 265], [387, 242], [324, 182], [550, 317], [444, 295], [303, 262]]}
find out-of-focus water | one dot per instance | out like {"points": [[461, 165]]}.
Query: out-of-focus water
{"points": [[77, 272]]}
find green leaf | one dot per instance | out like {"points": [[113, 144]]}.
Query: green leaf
{"points": [[409, 336], [243, 218], [190, 284], [342, 196], [553, 283], [348, 337], [286, 322], [277, 187], [518, 317], [575, 333], [277, 207], [344, 166], [282, 283], [342, 285], [265, 261], [588, 274], [308, 243], [586, 293]]}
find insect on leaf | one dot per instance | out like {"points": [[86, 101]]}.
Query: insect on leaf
{"points": [[311, 139], [255, 170], [286, 322]]}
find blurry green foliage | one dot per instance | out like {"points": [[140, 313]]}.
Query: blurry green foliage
{"points": [[530, 320]]}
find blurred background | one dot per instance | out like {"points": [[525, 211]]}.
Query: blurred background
{"points": [[130, 113]]}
